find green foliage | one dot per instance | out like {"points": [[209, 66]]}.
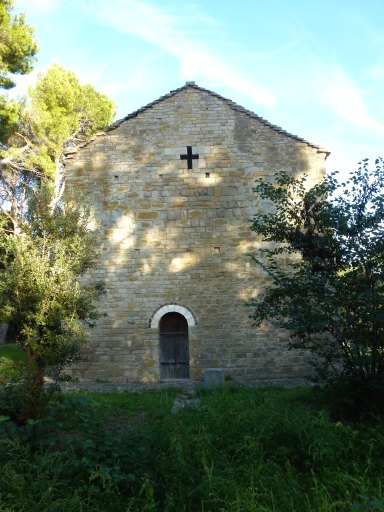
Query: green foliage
{"points": [[9, 118], [17, 46], [243, 450], [58, 114], [45, 246], [17, 55], [325, 256], [9, 370], [40, 290]]}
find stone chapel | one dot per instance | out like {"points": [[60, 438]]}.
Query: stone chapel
{"points": [[171, 186]]}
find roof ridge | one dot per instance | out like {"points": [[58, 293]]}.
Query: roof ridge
{"points": [[229, 102], [135, 113], [235, 106]]}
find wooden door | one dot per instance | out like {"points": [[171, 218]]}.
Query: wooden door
{"points": [[174, 347]]}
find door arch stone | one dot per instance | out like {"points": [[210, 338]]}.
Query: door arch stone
{"points": [[169, 308]]}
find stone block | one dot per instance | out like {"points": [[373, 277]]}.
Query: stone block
{"points": [[148, 215], [213, 378]]}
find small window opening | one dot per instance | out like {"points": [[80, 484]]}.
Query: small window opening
{"points": [[207, 175]]}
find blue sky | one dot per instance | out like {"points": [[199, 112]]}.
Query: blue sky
{"points": [[314, 68]]}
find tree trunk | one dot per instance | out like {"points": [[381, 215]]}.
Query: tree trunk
{"points": [[34, 406], [35, 387]]}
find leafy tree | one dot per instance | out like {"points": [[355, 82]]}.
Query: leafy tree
{"points": [[58, 114], [40, 291], [17, 55], [17, 46], [45, 241], [325, 256]]}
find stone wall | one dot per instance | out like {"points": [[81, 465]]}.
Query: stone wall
{"points": [[180, 237]]}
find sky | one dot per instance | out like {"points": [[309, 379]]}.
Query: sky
{"points": [[314, 68]]}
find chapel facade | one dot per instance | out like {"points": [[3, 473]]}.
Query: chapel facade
{"points": [[171, 185]]}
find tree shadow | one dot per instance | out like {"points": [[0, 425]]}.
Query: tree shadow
{"points": [[173, 235]]}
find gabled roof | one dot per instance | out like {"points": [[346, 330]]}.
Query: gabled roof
{"points": [[192, 85], [230, 103]]}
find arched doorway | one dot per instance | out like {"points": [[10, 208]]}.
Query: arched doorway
{"points": [[174, 346]]}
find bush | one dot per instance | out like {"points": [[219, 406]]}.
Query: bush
{"points": [[264, 450], [324, 253]]}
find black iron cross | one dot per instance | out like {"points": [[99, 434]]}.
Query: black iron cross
{"points": [[189, 157]]}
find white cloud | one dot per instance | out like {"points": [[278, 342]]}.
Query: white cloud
{"points": [[140, 79], [182, 36], [196, 65], [23, 82], [131, 49], [347, 101], [375, 72]]}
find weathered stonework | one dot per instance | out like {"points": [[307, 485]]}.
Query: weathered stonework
{"points": [[178, 237]]}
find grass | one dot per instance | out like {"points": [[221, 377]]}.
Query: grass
{"points": [[257, 450], [12, 352], [11, 356]]}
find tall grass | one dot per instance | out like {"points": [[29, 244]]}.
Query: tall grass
{"points": [[12, 352], [242, 450]]}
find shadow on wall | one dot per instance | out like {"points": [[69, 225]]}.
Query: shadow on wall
{"points": [[173, 235]]}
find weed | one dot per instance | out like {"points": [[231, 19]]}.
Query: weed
{"points": [[256, 450]]}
